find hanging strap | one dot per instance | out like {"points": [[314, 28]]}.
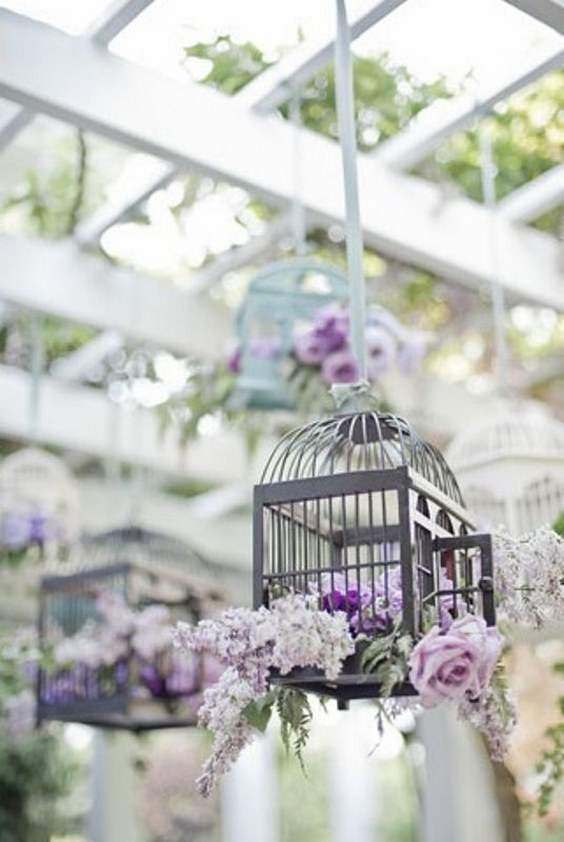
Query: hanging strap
{"points": [[347, 135], [36, 371], [487, 174], [298, 225]]}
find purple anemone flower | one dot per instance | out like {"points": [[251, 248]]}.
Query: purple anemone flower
{"points": [[331, 328]]}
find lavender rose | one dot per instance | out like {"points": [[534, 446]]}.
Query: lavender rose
{"points": [[310, 349], [455, 664], [339, 367]]}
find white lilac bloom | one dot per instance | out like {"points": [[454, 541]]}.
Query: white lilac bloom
{"points": [[19, 714], [412, 353]]}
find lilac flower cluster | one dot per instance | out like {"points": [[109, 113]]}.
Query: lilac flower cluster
{"points": [[530, 577], [21, 531], [292, 633], [95, 659]]}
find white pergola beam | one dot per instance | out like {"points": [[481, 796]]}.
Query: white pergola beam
{"points": [[84, 419], [446, 117], [57, 278], [114, 19], [529, 202], [188, 125], [277, 84], [77, 364], [110, 23], [550, 12]]}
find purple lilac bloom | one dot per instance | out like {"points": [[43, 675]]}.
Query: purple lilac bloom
{"points": [[340, 367], [14, 531]]}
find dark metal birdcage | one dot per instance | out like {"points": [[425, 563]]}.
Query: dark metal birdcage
{"points": [[361, 512], [107, 631]]}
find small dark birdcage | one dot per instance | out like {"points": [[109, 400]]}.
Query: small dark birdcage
{"points": [[106, 630], [359, 511]]}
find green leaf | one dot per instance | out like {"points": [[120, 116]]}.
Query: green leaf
{"points": [[258, 712]]}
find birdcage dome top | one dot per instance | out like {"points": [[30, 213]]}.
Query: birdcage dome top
{"points": [[522, 432], [360, 441], [139, 546]]}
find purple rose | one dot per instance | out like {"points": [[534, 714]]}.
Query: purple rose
{"points": [[331, 328], [340, 367], [380, 350], [309, 348], [454, 664]]}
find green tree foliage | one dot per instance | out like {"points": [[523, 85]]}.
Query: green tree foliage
{"points": [[527, 133], [35, 773], [386, 95]]}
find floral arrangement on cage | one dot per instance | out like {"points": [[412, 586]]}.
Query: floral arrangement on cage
{"points": [[28, 535], [456, 660], [121, 647]]}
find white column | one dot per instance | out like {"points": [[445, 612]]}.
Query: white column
{"points": [[459, 802], [249, 795], [115, 814], [352, 785]]}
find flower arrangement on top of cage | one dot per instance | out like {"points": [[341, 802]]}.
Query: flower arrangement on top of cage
{"points": [[271, 375], [29, 535], [272, 372]]}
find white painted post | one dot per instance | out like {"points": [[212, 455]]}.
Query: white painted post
{"points": [[249, 795], [352, 784], [115, 814]]}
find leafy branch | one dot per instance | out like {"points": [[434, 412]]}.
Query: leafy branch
{"points": [[387, 658]]}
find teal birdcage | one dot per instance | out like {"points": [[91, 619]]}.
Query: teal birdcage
{"points": [[280, 296]]}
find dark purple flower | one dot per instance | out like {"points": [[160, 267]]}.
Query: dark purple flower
{"points": [[331, 328], [337, 600], [152, 680], [39, 528], [234, 360], [340, 367]]}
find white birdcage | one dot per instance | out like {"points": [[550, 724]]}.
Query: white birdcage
{"points": [[37, 487], [510, 468]]}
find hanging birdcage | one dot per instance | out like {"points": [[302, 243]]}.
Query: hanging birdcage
{"points": [[106, 629], [280, 296], [38, 505], [359, 511], [510, 468]]}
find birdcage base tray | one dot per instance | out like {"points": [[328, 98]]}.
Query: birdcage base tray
{"points": [[351, 684], [110, 713]]}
